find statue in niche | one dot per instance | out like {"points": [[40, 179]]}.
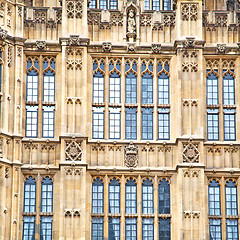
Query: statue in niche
{"points": [[131, 22]]}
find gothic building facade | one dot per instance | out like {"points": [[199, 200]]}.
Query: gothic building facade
{"points": [[119, 119]]}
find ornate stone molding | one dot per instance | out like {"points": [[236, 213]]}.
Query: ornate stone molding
{"points": [[73, 100], [72, 212], [30, 145], [3, 34], [169, 19], [189, 67], [7, 172], [145, 20], [74, 9], [193, 214], [189, 11], [73, 171], [131, 47], [74, 40], [131, 155], [9, 56], [189, 173], [41, 45], [107, 46], [74, 64], [192, 102], [221, 48], [73, 150], [190, 152], [189, 42]]}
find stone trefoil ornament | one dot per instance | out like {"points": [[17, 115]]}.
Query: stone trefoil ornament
{"points": [[131, 156], [73, 151]]}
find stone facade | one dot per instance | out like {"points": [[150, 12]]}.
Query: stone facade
{"points": [[194, 38]]}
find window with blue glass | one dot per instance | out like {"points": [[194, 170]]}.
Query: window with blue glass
{"points": [[97, 196], [229, 124], [114, 196], [166, 4], [232, 229], [163, 83], [114, 228], [98, 122], [214, 198], [155, 5], [146, 4], [28, 228], [164, 229], [212, 87], [131, 229], [103, 4], [147, 123], [48, 122], [147, 229], [231, 198], [213, 124], [131, 82], [93, 4], [147, 196], [32, 79], [131, 196], [131, 123], [163, 123], [164, 197], [47, 195], [97, 228], [228, 88], [147, 82], [31, 121], [215, 229], [114, 88], [98, 82], [30, 195], [114, 123], [46, 228], [113, 4], [48, 80]]}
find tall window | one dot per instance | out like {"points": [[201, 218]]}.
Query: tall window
{"points": [[114, 88], [93, 4], [97, 196], [114, 228], [228, 88], [214, 198], [213, 124], [131, 229], [97, 228], [40, 99], [215, 229], [113, 4], [98, 122], [104, 4], [147, 196], [147, 82], [212, 87], [44, 209], [131, 82], [147, 123], [231, 198], [98, 82], [163, 88], [114, 123], [147, 229], [155, 5], [232, 229], [164, 197], [114, 196], [229, 124], [131, 196], [131, 123], [164, 229], [163, 123]]}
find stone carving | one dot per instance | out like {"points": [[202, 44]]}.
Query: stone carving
{"points": [[156, 48], [19, 51], [169, 19], [94, 18], [116, 19], [189, 173], [189, 11], [145, 20], [72, 212], [7, 172], [73, 171], [106, 46], [221, 48], [30, 145], [231, 149], [189, 67], [3, 34], [73, 151], [41, 45], [74, 40], [221, 20], [189, 42], [190, 152], [131, 22], [9, 57], [19, 11], [71, 64], [73, 100], [196, 214], [9, 10], [131, 156], [189, 214], [131, 47], [74, 9]]}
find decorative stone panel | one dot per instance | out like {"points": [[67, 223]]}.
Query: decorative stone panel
{"points": [[190, 152], [73, 151], [131, 155], [189, 11]]}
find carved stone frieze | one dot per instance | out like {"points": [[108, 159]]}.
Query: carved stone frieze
{"points": [[189, 42], [190, 173], [193, 214], [145, 20], [221, 20], [131, 155], [116, 19], [73, 100], [72, 212], [169, 19], [106, 46], [190, 152], [74, 64], [156, 48], [189, 11], [74, 40], [30, 145], [73, 150], [93, 18], [41, 45], [189, 67], [74, 9], [73, 171]]}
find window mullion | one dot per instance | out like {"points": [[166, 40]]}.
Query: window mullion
{"points": [[220, 101], [155, 101], [223, 208], [105, 208], [40, 96]]}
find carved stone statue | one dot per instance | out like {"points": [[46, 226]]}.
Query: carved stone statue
{"points": [[131, 22]]}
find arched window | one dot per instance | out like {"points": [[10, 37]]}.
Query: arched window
{"points": [[47, 195], [30, 195], [164, 197], [131, 83], [166, 4], [97, 196], [231, 198], [114, 196], [214, 198]]}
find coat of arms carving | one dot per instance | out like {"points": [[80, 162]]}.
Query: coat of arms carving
{"points": [[131, 155]]}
